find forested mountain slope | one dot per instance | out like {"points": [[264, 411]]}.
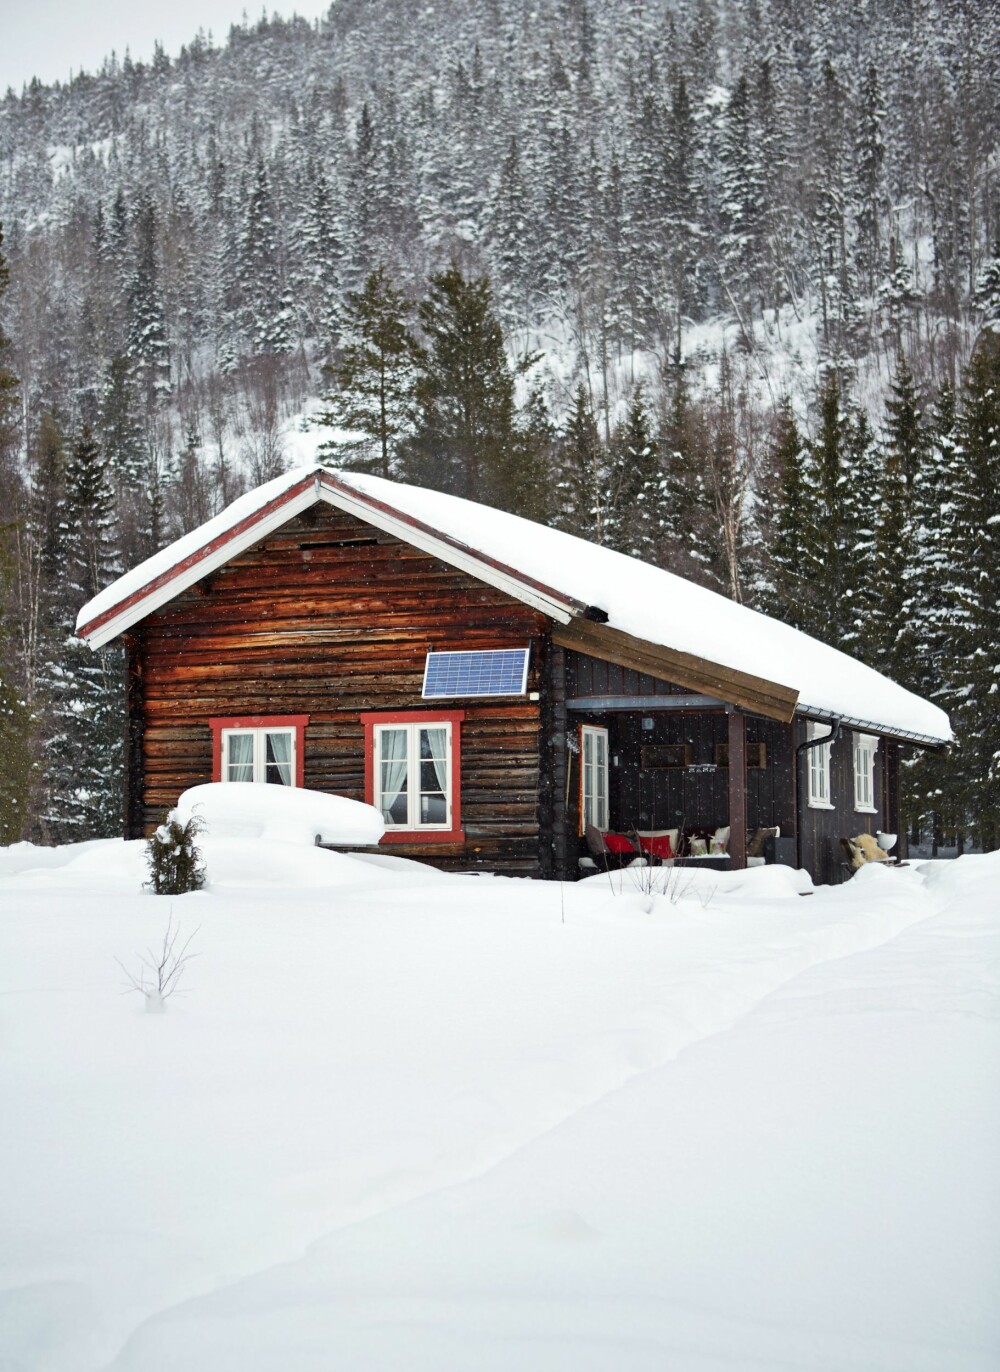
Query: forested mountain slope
{"points": [[725, 262], [624, 172]]}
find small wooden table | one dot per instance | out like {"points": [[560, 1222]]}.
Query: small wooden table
{"points": [[716, 862]]}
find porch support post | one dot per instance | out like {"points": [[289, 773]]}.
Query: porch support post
{"points": [[737, 789]]}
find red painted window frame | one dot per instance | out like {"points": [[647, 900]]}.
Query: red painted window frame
{"points": [[296, 722], [370, 719]]}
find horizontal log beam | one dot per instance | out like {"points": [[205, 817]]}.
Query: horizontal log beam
{"points": [[669, 664]]}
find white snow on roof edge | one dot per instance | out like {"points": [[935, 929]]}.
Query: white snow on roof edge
{"points": [[641, 600]]}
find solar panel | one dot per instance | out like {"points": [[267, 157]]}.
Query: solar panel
{"points": [[493, 672]]}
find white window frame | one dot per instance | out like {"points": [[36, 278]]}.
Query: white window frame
{"points": [[818, 777], [591, 800], [260, 733], [865, 748], [412, 729]]}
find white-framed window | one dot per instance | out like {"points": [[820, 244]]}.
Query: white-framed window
{"points": [[818, 792], [266, 755], [594, 776], [865, 747], [413, 774]]}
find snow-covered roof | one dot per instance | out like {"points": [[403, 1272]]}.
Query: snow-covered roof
{"points": [[557, 573]]}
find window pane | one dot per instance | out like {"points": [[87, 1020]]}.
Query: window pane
{"points": [[278, 758], [239, 757], [393, 776], [433, 775], [433, 809]]}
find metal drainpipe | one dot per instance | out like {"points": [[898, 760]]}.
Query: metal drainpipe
{"points": [[836, 724]]}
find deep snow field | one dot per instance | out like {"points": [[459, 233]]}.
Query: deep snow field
{"points": [[408, 1122]]}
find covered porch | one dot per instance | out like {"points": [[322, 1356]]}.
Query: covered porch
{"points": [[648, 756]]}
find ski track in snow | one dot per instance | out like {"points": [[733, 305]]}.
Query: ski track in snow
{"points": [[624, 1048], [574, 1333]]}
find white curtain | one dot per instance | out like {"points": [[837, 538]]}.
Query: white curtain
{"points": [[392, 766], [239, 758], [279, 759]]}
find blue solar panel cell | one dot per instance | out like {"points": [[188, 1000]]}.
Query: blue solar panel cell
{"points": [[494, 672]]}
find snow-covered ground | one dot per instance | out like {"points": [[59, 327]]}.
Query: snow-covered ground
{"points": [[405, 1121]]}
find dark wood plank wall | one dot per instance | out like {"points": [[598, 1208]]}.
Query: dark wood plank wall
{"points": [[771, 789], [330, 618], [822, 830], [591, 676]]}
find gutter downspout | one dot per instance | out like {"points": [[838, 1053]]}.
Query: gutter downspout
{"points": [[836, 725]]}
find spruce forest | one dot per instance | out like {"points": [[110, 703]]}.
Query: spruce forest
{"points": [[714, 282]]}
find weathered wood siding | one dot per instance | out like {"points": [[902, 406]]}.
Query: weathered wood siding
{"points": [[821, 830], [771, 789], [329, 617]]}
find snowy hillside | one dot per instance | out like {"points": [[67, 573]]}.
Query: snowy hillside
{"points": [[643, 182], [401, 1120]]}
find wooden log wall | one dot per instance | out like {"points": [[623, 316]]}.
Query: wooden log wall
{"points": [[330, 617]]}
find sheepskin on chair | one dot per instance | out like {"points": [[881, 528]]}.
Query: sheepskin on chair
{"points": [[866, 849]]}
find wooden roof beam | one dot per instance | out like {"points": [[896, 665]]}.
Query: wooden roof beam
{"points": [[751, 693]]}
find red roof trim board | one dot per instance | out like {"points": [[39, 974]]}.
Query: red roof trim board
{"points": [[192, 560], [325, 484], [326, 479], [639, 603]]}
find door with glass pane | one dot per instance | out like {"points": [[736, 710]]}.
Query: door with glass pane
{"points": [[594, 776], [261, 755], [413, 767]]}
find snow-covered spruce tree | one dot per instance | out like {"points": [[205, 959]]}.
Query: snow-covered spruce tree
{"points": [[734, 454], [683, 228], [323, 244], [372, 397], [903, 451], [509, 218], [174, 858], [829, 612], [636, 508], [466, 435], [828, 212], [871, 199], [17, 764], [689, 543], [792, 554], [581, 473], [148, 351], [530, 473], [10, 387], [987, 293], [861, 515], [977, 581], [83, 750], [929, 625], [741, 207], [268, 315]]}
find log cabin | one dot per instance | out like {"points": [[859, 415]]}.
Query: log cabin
{"points": [[500, 690]]}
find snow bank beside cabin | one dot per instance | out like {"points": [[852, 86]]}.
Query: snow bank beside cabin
{"points": [[286, 814]]}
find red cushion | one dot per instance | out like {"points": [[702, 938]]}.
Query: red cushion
{"points": [[618, 843], [658, 846]]}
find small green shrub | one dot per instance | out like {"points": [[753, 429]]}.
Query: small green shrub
{"points": [[174, 859]]}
